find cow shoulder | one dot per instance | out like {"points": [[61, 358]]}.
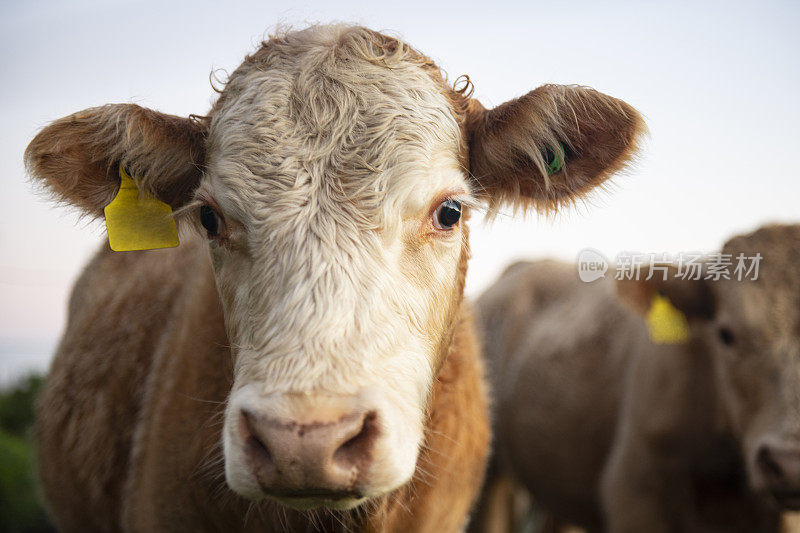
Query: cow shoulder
{"points": [[120, 312]]}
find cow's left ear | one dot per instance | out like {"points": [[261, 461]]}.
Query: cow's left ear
{"points": [[550, 146], [692, 297]]}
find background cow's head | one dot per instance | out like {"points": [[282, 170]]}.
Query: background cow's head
{"points": [[751, 330], [332, 178]]}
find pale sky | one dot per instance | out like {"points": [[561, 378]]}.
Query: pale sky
{"points": [[717, 83]]}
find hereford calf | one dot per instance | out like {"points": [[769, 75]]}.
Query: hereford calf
{"points": [[304, 358], [611, 431]]}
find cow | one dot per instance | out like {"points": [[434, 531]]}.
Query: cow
{"points": [[304, 358], [610, 430]]}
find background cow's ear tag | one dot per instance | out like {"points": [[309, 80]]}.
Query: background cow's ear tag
{"points": [[666, 324], [138, 221]]}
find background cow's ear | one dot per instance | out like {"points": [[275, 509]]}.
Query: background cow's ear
{"points": [[550, 146], [78, 157], [693, 298]]}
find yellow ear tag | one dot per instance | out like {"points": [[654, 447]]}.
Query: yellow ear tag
{"points": [[137, 221], [667, 325]]}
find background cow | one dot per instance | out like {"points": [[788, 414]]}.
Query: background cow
{"points": [[607, 429], [307, 341]]}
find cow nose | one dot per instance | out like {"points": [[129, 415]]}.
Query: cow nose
{"points": [[320, 459], [779, 466]]}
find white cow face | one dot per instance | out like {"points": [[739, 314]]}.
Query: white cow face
{"points": [[333, 196]]}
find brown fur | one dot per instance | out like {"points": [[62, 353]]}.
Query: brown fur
{"points": [[129, 424], [610, 431], [600, 135], [79, 156]]}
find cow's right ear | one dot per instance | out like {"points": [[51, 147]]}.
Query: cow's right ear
{"points": [[78, 157]]}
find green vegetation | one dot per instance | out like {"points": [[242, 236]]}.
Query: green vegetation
{"points": [[20, 508]]}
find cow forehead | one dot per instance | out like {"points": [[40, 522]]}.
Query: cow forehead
{"points": [[768, 307], [323, 119]]}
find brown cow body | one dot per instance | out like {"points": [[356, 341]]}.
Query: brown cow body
{"points": [[129, 422], [557, 386], [610, 431]]}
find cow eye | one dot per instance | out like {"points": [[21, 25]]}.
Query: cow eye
{"points": [[726, 336], [447, 214], [210, 220]]}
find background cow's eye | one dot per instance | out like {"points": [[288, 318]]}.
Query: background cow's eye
{"points": [[447, 214], [210, 220], [726, 336]]}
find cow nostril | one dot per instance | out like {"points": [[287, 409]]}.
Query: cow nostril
{"points": [[255, 448], [358, 449], [769, 466]]}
